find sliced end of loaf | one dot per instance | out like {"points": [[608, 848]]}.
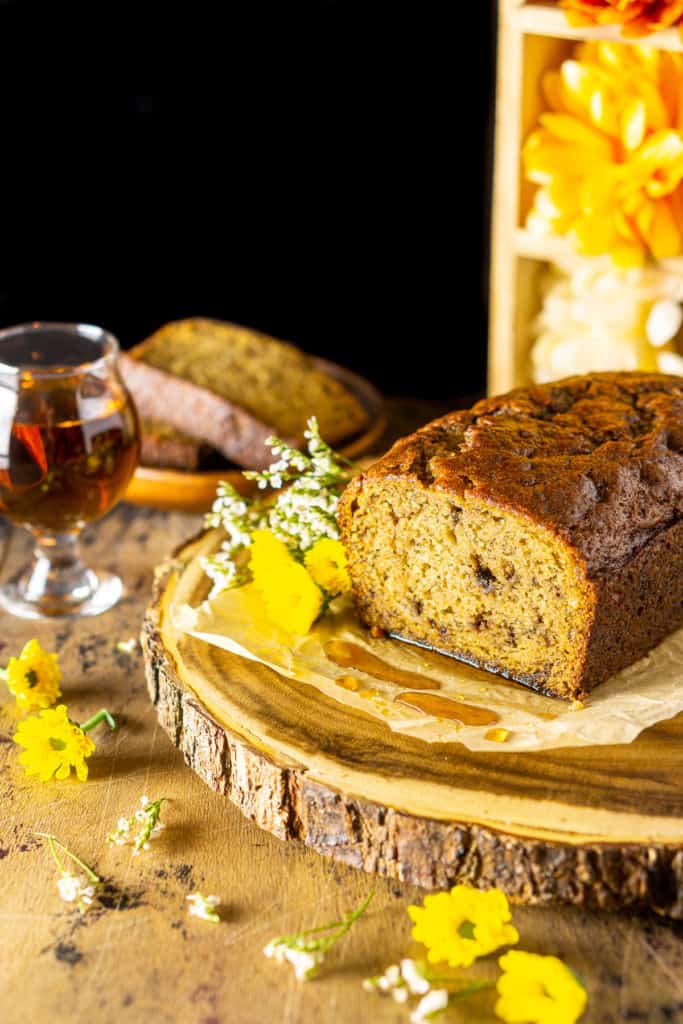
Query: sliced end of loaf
{"points": [[471, 580]]}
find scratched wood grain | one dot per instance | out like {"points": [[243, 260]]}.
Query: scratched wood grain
{"points": [[140, 957]]}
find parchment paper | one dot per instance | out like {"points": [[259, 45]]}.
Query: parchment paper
{"points": [[616, 712]]}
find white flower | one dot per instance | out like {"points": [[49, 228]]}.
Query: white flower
{"points": [[303, 513], [119, 837], [414, 978], [305, 962], [434, 1002], [147, 817], [391, 982], [663, 322], [204, 907], [670, 362], [75, 889], [69, 886], [274, 951], [127, 646], [306, 953], [597, 318], [390, 979]]}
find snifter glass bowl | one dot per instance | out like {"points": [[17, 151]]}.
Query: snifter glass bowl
{"points": [[69, 444]]}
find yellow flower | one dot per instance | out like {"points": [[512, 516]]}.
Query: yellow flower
{"points": [[34, 677], [291, 598], [326, 562], [463, 924], [608, 154], [54, 745], [638, 17], [538, 990]]}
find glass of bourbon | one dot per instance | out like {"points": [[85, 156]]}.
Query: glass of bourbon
{"points": [[69, 443]]}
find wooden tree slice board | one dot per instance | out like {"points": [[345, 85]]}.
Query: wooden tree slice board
{"points": [[593, 826]]}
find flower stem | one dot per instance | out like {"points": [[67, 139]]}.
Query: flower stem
{"points": [[345, 922], [3, 674], [101, 716], [468, 990], [53, 841]]}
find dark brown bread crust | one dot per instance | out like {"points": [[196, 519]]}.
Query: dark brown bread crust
{"points": [[597, 461], [636, 606]]}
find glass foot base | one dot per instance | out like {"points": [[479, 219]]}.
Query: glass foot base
{"points": [[101, 593]]}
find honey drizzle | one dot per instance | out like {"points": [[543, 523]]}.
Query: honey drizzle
{"points": [[443, 707], [348, 655]]}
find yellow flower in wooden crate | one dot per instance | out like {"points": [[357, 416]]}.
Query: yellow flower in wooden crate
{"points": [[461, 925], [326, 563], [538, 990], [34, 677], [638, 17], [608, 155], [291, 598], [54, 745]]}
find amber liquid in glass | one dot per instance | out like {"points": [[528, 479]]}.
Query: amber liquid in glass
{"points": [[68, 441]]}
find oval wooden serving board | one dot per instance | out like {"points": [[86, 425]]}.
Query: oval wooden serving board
{"points": [[594, 826], [194, 491]]}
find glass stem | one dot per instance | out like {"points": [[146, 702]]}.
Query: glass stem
{"points": [[57, 575]]}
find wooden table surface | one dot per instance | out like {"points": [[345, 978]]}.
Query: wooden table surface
{"points": [[140, 957]]}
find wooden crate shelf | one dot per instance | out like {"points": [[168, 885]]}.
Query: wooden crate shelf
{"points": [[555, 249], [550, 20], [532, 38]]}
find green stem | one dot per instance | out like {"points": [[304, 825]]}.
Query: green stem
{"points": [[101, 716], [53, 841], [345, 922], [337, 928], [469, 990], [3, 674]]}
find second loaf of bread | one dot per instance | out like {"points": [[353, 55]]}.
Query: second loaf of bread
{"points": [[538, 535]]}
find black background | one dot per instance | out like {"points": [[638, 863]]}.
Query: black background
{"points": [[320, 171]]}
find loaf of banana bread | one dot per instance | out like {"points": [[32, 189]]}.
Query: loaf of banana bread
{"points": [[233, 387], [538, 535]]}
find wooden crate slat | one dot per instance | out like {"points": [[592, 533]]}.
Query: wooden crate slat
{"points": [[502, 352], [555, 249], [550, 20]]}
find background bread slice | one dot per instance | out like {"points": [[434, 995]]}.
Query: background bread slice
{"points": [[233, 387], [168, 448]]}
